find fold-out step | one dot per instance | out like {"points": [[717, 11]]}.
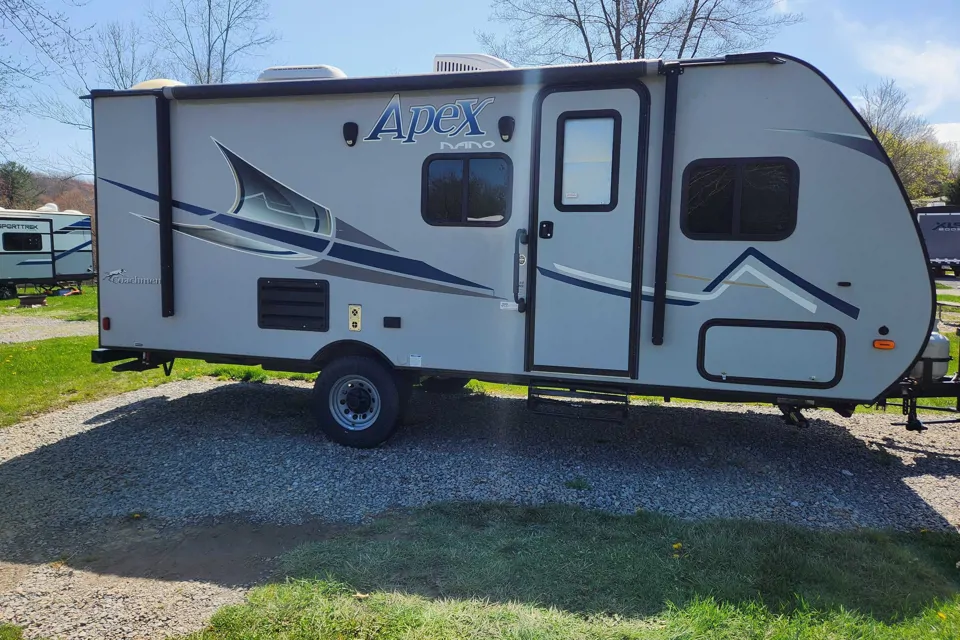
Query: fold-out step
{"points": [[593, 403]]}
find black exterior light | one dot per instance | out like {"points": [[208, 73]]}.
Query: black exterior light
{"points": [[350, 132], [506, 125]]}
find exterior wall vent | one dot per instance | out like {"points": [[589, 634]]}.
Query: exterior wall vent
{"points": [[454, 63]]}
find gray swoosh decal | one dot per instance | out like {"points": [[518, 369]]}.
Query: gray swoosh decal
{"points": [[350, 233], [861, 144], [351, 272]]}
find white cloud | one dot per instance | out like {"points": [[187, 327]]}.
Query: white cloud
{"points": [[948, 131], [781, 6], [928, 69]]}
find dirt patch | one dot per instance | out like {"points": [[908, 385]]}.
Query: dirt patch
{"points": [[132, 579], [15, 328]]}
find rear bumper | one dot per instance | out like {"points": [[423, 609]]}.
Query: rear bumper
{"points": [[103, 356]]}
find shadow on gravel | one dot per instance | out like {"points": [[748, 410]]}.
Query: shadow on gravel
{"points": [[213, 486]]}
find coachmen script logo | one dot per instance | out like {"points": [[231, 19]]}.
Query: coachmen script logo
{"points": [[119, 276], [451, 120]]}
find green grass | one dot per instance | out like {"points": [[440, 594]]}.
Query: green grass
{"points": [[578, 484], [494, 571], [940, 285], [947, 298], [74, 308], [48, 374], [10, 632]]}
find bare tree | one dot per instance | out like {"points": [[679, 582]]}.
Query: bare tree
{"points": [[33, 37], [207, 41], [116, 56], [573, 31], [125, 55], [922, 162]]}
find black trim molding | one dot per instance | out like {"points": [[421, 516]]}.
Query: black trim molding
{"points": [[739, 164], [165, 206], [672, 73], [771, 324], [615, 160]]}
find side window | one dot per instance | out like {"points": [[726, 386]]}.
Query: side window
{"points": [[22, 242], [588, 160], [740, 199], [467, 190]]}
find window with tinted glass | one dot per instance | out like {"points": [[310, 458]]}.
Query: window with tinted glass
{"points": [[467, 189], [740, 199], [588, 160], [22, 242]]}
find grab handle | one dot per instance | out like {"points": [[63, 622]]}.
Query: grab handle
{"points": [[517, 258]]}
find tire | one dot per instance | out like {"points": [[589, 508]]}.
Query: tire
{"points": [[444, 385], [8, 291], [365, 395]]}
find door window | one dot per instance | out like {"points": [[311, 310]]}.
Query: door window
{"points": [[588, 160]]}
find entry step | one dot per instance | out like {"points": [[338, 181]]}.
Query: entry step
{"points": [[593, 403]]}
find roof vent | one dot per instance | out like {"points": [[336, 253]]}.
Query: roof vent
{"points": [[452, 63], [156, 83], [303, 72], [50, 207]]}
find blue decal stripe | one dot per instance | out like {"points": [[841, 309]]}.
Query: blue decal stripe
{"points": [[64, 254], [74, 250], [191, 208], [280, 235], [396, 264], [840, 305], [593, 286]]}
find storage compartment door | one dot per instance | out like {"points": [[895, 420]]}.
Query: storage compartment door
{"points": [[771, 353]]}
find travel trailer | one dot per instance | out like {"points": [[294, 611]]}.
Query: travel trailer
{"points": [[722, 229], [940, 226], [43, 247]]}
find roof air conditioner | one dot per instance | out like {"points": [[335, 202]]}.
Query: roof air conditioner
{"points": [[302, 72], [452, 63]]}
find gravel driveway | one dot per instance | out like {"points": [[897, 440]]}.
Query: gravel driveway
{"points": [[143, 513], [26, 328]]}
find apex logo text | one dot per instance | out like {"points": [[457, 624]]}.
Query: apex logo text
{"points": [[450, 119]]}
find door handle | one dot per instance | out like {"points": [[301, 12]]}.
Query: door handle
{"points": [[517, 256], [546, 230]]}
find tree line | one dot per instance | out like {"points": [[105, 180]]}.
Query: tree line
{"points": [[213, 41], [21, 188]]}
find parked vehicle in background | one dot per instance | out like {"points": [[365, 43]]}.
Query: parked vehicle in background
{"points": [[45, 247], [940, 226]]}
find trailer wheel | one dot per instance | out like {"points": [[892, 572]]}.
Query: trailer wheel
{"points": [[436, 384], [8, 291], [357, 402]]}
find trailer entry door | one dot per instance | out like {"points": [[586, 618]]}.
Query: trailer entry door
{"points": [[585, 226]]}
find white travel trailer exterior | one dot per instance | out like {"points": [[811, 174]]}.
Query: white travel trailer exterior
{"points": [[724, 229], [43, 247]]}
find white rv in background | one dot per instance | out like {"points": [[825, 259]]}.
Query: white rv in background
{"points": [[43, 247], [723, 229]]}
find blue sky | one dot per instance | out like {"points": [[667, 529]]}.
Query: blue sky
{"points": [[853, 41]]}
